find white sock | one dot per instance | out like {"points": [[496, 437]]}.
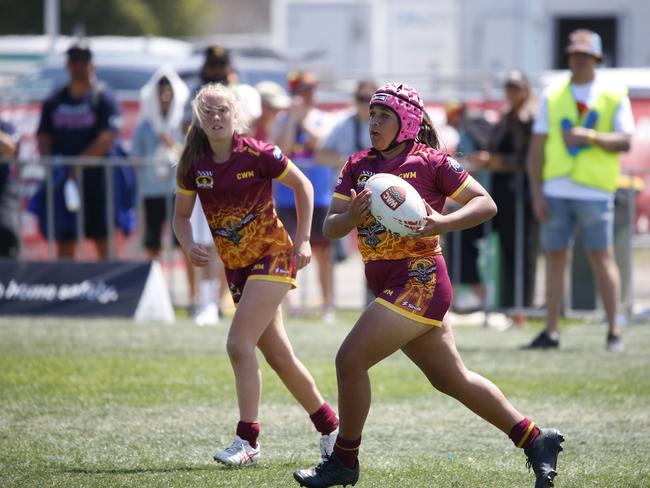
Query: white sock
{"points": [[207, 292]]}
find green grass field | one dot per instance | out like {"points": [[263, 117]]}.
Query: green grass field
{"points": [[111, 403]]}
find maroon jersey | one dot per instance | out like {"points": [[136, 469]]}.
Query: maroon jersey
{"points": [[435, 175], [236, 197]]}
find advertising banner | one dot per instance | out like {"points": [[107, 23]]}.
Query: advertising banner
{"points": [[79, 289]]}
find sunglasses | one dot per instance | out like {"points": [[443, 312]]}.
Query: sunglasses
{"points": [[362, 98]]}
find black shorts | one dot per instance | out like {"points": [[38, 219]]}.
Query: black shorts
{"points": [[155, 216], [93, 186], [94, 203], [9, 244], [288, 218]]}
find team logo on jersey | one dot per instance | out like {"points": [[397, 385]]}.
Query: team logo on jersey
{"points": [[204, 180], [454, 165], [393, 197], [232, 231], [277, 153], [363, 177], [370, 234]]}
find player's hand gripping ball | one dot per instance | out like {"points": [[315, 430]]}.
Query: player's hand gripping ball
{"points": [[395, 204]]}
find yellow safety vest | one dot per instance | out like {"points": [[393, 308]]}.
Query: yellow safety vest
{"points": [[591, 166]]}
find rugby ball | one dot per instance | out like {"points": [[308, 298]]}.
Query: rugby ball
{"points": [[395, 204]]}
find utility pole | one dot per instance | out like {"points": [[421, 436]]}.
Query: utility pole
{"points": [[51, 21]]}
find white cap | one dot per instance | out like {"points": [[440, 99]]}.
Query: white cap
{"points": [[273, 95]]}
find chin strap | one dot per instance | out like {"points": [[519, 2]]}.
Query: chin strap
{"points": [[392, 145]]}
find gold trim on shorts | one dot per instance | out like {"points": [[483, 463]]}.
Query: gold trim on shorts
{"points": [[409, 315], [275, 278]]}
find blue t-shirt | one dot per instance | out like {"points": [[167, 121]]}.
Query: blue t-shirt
{"points": [[74, 123], [320, 176]]}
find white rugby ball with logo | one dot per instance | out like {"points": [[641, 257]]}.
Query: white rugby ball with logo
{"points": [[395, 204]]}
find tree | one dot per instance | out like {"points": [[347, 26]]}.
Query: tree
{"points": [[170, 18]]}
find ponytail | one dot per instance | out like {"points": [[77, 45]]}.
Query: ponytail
{"points": [[196, 143], [427, 133]]}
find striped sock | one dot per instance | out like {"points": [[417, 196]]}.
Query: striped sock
{"points": [[249, 431], [524, 433], [325, 419], [347, 451]]}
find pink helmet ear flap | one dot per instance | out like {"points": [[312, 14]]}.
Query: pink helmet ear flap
{"points": [[406, 103]]}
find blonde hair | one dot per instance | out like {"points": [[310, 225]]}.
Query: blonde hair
{"points": [[196, 142]]}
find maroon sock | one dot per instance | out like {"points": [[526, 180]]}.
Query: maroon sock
{"points": [[249, 431], [325, 419], [347, 451], [524, 433]]}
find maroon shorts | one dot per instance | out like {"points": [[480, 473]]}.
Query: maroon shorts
{"points": [[278, 268], [417, 288]]}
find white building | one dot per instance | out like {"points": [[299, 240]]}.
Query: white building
{"points": [[450, 45]]}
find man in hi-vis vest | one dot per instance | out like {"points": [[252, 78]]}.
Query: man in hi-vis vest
{"points": [[582, 126]]}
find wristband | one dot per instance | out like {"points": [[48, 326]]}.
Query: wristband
{"points": [[591, 136]]}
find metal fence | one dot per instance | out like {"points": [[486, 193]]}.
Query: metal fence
{"points": [[30, 174]]}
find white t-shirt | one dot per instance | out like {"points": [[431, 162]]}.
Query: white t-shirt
{"points": [[564, 187]]}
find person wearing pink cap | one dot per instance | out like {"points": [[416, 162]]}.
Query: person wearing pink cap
{"points": [[583, 125], [409, 279]]}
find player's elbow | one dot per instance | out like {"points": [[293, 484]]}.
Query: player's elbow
{"points": [[490, 208], [327, 230], [331, 229]]}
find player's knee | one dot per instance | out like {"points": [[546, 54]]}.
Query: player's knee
{"points": [[239, 350], [347, 363]]}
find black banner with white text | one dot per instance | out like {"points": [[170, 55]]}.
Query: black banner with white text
{"points": [[98, 289]]}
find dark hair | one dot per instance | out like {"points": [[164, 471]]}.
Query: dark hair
{"points": [[80, 48], [427, 134], [164, 81], [366, 83], [217, 55]]}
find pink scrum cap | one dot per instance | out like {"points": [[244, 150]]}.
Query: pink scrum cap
{"points": [[406, 103]]}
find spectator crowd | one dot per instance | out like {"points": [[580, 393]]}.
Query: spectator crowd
{"points": [[82, 120]]}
